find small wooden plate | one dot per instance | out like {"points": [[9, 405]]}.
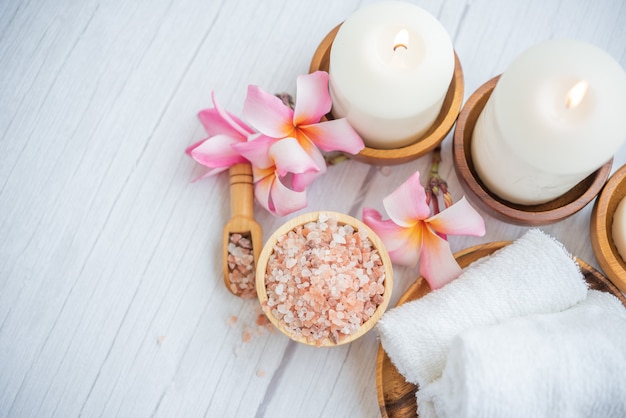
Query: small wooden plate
{"points": [[396, 397], [532, 215], [424, 144], [601, 227], [342, 219]]}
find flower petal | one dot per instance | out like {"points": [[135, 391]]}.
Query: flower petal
{"points": [[234, 123], [210, 173], [301, 181], [334, 135], [262, 187], [313, 99], [403, 244], [216, 151], [459, 219], [267, 113], [284, 200], [214, 124], [256, 150], [407, 255], [290, 157], [407, 204], [437, 264], [392, 235], [194, 146], [273, 195]]}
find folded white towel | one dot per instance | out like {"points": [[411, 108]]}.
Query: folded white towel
{"points": [[566, 364], [534, 274]]}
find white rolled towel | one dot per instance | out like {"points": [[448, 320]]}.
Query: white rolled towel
{"points": [[534, 274], [566, 364]]}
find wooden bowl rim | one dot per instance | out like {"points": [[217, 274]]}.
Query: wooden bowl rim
{"points": [[601, 228], [342, 219], [532, 215], [423, 144]]}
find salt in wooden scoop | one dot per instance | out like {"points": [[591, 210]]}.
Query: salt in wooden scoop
{"points": [[242, 237]]}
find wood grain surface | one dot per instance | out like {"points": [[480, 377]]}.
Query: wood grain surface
{"points": [[112, 300]]}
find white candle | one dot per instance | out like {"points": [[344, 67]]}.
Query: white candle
{"points": [[618, 229], [391, 65], [555, 116]]}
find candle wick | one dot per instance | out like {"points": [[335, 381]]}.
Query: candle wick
{"points": [[401, 40]]}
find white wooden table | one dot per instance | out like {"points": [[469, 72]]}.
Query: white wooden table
{"points": [[111, 294]]}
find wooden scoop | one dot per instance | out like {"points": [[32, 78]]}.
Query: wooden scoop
{"points": [[242, 222]]}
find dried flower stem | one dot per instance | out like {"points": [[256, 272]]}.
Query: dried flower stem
{"points": [[287, 99], [437, 184]]}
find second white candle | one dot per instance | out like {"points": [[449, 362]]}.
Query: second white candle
{"points": [[554, 117]]}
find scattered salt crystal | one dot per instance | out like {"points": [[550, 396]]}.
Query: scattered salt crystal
{"points": [[385, 170], [262, 320]]}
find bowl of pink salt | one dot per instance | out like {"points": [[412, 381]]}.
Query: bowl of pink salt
{"points": [[324, 279]]}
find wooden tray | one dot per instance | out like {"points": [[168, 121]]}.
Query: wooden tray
{"points": [[396, 397]]}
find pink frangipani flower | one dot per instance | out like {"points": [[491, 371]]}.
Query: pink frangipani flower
{"points": [[412, 234], [270, 177], [286, 152], [272, 118], [215, 151]]}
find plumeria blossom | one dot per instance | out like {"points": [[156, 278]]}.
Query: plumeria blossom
{"points": [[286, 152], [215, 151], [273, 119], [270, 175], [412, 234]]}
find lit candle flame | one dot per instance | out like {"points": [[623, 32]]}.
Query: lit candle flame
{"points": [[576, 94], [401, 40]]}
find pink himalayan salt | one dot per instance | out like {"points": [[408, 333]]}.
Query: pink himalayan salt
{"points": [[241, 271], [323, 281]]}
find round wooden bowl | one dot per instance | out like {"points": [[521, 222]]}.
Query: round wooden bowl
{"points": [[601, 227], [342, 219], [424, 143], [396, 396], [532, 215]]}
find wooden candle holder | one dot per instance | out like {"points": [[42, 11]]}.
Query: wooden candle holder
{"points": [[342, 219], [425, 142], [601, 227], [531, 215]]}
